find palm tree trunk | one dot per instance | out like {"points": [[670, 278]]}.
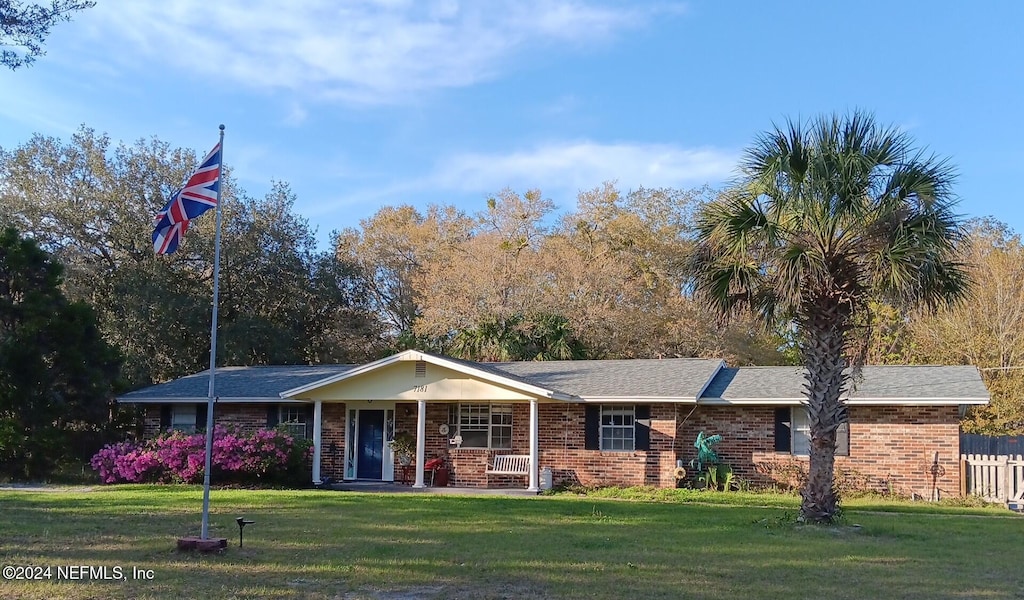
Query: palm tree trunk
{"points": [[826, 323]]}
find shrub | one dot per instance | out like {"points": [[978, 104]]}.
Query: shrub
{"points": [[264, 457], [126, 462]]}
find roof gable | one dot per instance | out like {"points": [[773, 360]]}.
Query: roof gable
{"points": [[410, 381], [479, 371]]}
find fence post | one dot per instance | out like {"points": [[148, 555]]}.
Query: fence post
{"points": [[963, 476], [1005, 496]]}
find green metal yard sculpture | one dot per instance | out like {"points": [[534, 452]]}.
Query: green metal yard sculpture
{"points": [[706, 454], [710, 473]]}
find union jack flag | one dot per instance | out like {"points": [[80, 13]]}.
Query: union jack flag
{"points": [[198, 195], [166, 239]]}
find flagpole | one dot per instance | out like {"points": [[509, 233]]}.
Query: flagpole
{"points": [[205, 534]]}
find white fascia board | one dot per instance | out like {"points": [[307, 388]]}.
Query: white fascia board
{"points": [[638, 399], [204, 399], [914, 401], [412, 355], [750, 401], [848, 401]]}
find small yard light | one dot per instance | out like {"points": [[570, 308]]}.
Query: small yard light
{"points": [[242, 522]]}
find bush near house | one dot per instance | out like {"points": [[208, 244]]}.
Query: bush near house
{"points": [[265, 457]]}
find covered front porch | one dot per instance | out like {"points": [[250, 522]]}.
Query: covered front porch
{"points": [[385, 487], [457, 412]]}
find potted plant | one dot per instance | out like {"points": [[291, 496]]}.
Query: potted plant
{"points": [[404, 446]]}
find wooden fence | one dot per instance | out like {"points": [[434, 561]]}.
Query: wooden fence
{"points": [[972, 443], [996, 478]]}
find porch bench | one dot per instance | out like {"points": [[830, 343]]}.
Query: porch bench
{"points": [[510, 464]]}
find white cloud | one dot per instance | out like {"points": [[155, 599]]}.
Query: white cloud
{"points": [[297, 115], [572, 166], [368, 51]]}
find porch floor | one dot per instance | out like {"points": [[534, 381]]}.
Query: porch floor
{"points": [[386, 487]]}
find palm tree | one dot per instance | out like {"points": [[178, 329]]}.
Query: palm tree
{"points": [[493, 339], [826, 218], [541, 336]]}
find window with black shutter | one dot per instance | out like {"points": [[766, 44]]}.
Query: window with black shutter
{"points": [[592, 427], [783, 429], [183, 417], [793, 432], [165, 417], [642, 435], [202, 410], [296, 419]]}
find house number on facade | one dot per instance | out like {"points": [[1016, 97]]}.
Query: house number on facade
{"points": [[420, 388]]}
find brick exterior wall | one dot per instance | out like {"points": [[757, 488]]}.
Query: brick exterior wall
{"points": [[248, 417], [332, 441], [562, 447], [891, 448], [561, 429]]}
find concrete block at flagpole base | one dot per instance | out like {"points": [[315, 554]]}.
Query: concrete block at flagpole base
{"points": [[194, 542]]}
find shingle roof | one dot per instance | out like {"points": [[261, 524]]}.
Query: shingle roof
{"points": [[640, 378], [514, 374], [238, 382], [676, 378], [877, 383]]}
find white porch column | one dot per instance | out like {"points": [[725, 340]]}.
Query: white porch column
{"points": [[421, 441], [534, 447], [318, 413]]}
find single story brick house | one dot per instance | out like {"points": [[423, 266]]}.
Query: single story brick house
{"points": [[597, 422]]}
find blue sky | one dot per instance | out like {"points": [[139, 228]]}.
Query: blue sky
{"points": [[440, 101]]}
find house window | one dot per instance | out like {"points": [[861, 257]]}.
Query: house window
{"points": [[485, 425], [617, 427], [501, 426], [183, 418], [793, 432], [292, 419]]}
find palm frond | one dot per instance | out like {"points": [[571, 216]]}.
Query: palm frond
{"points": [[836, 205]]}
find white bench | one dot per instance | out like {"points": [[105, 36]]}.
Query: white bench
{"points": [[510, 464]]}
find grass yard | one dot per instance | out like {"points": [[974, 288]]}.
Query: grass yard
{"points": [[312, 544]]}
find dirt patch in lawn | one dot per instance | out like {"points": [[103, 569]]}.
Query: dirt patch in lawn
{"points": [[496, 591]]}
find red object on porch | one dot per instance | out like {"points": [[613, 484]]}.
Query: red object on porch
{"points": [[438, 472]]}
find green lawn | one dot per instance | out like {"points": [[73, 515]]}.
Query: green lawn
{"points": [[310, 544]]}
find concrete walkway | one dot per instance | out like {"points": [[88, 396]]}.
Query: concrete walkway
{"points": [[379, 487]]}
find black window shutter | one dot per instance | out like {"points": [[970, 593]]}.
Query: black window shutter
{"points": [[201, 410], [783, 429], [309, 421], [273, 416], [592, 429], [642, 427], [165, 417]]}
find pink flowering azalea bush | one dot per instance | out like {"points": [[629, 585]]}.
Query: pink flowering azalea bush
{"points": [[267, 457]]}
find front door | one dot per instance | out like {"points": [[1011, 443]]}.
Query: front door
{"points": [[371, 444]]}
